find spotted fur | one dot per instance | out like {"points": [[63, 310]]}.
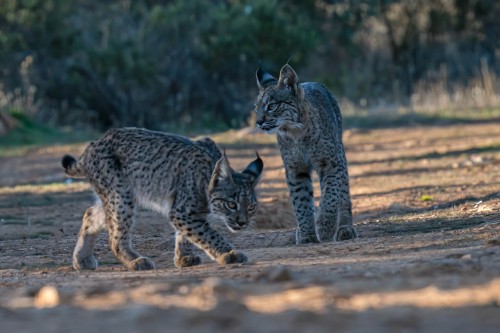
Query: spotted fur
{"points": [[190, 182], [307, 120]]}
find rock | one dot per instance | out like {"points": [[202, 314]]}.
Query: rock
{"points": [[369, 274], [47, 297], [493, 241], [276, 274]]}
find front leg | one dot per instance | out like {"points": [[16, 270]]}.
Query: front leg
{"points": [[197, 230], [301, 192], [298, 178], [184, 252], [334, 221]]}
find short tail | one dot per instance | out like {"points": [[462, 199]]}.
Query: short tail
{"points": [[71, 168]]}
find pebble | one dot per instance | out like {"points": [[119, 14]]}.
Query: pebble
{"points": [[47, 297], [276, 274]]}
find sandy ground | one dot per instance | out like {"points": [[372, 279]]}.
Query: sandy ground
{"points": [[426, 204]]}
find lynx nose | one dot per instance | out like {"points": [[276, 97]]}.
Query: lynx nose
{"points": [[240, 222], [259, 122]]}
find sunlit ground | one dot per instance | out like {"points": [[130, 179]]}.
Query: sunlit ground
{"points": [[425, 201]]}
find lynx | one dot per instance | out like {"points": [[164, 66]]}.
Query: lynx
{"points": [[308, 123], [190, 182]]}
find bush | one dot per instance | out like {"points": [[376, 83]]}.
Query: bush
{"points": [[186, 64]]}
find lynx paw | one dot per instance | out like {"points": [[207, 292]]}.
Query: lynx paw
{"points": [[306, 238], [87, 263], [232, 257], [187, 261], [345, 232], [141, 264]]}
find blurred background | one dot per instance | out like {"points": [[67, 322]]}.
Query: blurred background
{"points": [[190, 65]]}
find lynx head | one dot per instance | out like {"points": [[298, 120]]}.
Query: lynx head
{"points": [[232, 194], [279, 101]]}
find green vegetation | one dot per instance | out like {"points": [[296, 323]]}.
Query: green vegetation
{"points": [[30, 133], [185, 66], [426, 197]]}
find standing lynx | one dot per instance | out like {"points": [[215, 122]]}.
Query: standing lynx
{"points": [[307, 119], [182, 179]]}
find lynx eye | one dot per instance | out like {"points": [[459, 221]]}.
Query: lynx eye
{"points": [[272, 106], [252, 207], [231, 205]]}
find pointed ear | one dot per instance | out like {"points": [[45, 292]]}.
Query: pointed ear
{"points": [[289, 78], [222, 172], [264, 79], [254, 169]]}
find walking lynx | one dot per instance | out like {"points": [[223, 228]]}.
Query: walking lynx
{"points": [[307, 119], [186, 181]]}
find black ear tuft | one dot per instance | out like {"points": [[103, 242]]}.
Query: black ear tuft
{"points": [[264, 79], [255, 169]]}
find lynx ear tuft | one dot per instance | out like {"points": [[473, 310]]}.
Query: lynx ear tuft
{"points": [[254, 169], [264, 79]]}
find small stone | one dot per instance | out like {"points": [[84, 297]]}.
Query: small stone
{"points": [[493, 241], [369, 274], [276, 274], [467, 256], [477, 159], [47, 297], [183, 289]]}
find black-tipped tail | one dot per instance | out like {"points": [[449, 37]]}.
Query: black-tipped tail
{"points": [[71, 167], [68, 161]]}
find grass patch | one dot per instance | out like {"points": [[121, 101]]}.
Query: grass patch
{"points": [[43, 266], [237, 139], [426, 198], [30, 134], [12, 220], [48, 188], [372, 120], [43, 223], [19, 235], [398, 226], [109, 262]]}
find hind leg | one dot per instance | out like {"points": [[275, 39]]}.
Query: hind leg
{"points": [[92, 224], [184, 252], [334, 221], [120, 209]]}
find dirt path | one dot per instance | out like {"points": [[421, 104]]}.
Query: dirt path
{"points": [[426, 204]]}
